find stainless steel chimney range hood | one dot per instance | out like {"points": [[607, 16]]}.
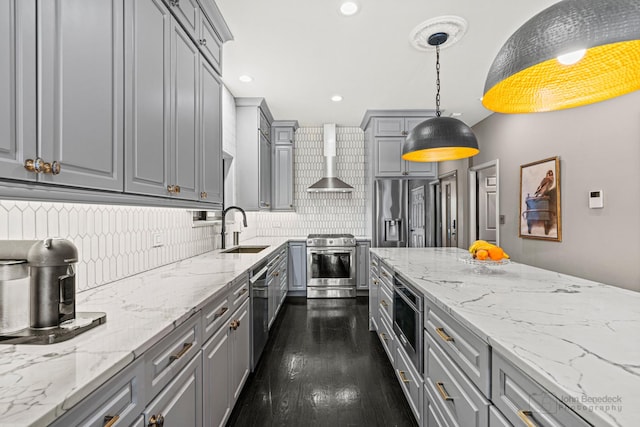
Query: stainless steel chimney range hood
{"points": [[330, 183]]}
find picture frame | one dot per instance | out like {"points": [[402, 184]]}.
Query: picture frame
{"points": [[540, 209]]}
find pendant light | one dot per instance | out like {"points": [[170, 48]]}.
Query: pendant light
{"points": [[439, 138], [573, 53]]}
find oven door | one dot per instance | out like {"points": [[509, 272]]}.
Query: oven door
{"points": [[329, 267], [407, 321]]}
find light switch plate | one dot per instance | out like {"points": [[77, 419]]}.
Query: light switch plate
{"points": [[596, 199], [157, 240]]}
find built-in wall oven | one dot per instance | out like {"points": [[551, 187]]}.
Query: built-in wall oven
{"points": [[408, 312], [331, 266]]}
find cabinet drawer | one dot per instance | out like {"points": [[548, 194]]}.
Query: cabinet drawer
{"points": [[431, 413], [410, 381], [386, 304], [456, 396], [165, 359], [496, 419], [469, 352], [518, 397], [283, 135], [388, 339], [119, 397], [209, 43], [386, 275], [214, 315], [374, 262], [239, 291]]}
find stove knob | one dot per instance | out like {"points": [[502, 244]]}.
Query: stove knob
{"points": [[331, 242]]}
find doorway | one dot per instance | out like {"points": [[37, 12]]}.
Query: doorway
{"points": [[484, 203], [446, 210]]}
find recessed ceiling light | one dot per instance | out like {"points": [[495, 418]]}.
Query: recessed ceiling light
{"points": [[336, 98], [245, 78], [349, 8]]}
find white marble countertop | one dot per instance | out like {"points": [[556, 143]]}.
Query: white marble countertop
{"points": [[38, 383], [579, 339]]}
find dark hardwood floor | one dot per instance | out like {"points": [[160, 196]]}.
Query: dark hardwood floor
{"points": [[322, 367]]}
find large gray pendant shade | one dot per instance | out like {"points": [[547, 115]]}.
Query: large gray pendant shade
{"points": [[439, 138], [601, 39]]}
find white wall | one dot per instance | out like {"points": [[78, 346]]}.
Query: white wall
{"points": [[599, 149], [322, 212]]}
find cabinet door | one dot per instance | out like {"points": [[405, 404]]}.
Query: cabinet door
{"points": [[265, 173], [216, 374], [388, 126], [411, 122], [185, 119], [211, 135], [389, 156], [80, 91], [362, 255], [283, 135], [297, 266], [240, 350], [17, 87], [283, 177], [187, 13], [423, 169], [147, 61], [180, 402], [210, 45]]}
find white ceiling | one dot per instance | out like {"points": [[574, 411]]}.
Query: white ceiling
{"points": [[301, 52]]}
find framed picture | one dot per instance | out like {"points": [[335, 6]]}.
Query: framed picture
{"points": [[540, 214]]}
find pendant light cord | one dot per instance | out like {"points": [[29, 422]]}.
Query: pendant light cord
{"points": [[437, 80]]}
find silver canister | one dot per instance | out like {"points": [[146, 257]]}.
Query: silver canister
{"points": [[14, 295]]}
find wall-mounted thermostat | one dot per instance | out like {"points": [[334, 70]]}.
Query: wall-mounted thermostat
{"points": [[596, 199]]}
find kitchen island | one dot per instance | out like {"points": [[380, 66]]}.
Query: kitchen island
{"points": [[577, 339], [40, 383]]}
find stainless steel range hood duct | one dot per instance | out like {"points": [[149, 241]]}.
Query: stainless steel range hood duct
{"points": [[329, 182]]}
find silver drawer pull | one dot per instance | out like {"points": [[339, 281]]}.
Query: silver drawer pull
{"points": [[443, 392], [403, 377], [443, 334], [178, 355], [525, 416], [220, 312]]}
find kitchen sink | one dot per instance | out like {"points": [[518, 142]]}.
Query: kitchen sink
{"points": [[244, 250]]}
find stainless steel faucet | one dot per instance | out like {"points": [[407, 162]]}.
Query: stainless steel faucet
{"points": [[224, 226]]}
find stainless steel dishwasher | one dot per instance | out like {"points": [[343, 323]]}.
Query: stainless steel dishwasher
{"points": [[259, 311]]}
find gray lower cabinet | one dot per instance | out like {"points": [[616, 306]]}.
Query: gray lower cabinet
{"points": [[71, 127], [180, 402], [122, 398], [297, 266], [139, 422], [456, 397], [240, 342], [496, 419], [411, 382], [522, 401], [217, 379], [374, 293], [277, 269], [362, 267], [253, 163]]}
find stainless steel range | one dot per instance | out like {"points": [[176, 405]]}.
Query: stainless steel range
{"points": [[331, 266]]}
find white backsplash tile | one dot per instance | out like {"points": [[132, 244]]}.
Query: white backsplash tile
{"points": [[113, 241]]}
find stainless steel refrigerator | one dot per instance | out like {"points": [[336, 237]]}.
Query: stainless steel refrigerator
{"points": [[402, 213]]}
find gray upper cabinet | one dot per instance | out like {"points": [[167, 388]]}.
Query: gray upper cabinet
{"points": [[17, 90], [388, 130], [187, 12], [211, 135], [283, 164], [147, 135], [210, 44], [80, 86], [185, 115], [71, 129], [253, 164]]}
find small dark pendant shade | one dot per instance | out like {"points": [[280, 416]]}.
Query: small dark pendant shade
{"points": [[439, 139]]}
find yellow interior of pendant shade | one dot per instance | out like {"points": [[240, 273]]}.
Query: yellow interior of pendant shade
{"points": [[440, 154], [604, 72]]}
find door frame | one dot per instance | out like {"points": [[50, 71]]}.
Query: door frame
{"points": [[473, 198], [445, 176]]}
